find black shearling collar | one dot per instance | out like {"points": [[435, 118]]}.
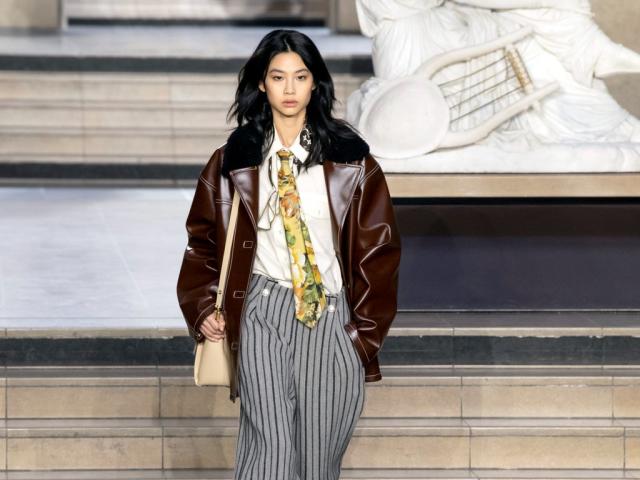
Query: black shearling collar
{"points": [[244, 149]]}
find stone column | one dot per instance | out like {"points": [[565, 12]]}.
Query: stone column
{"points": [[31, 14], [342, 16]]}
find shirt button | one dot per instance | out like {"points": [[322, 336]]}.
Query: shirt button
{"points": [[331, 308], [265, 292]]}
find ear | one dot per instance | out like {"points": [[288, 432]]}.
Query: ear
{"points": [[261, 86]]}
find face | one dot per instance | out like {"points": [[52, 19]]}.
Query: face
{"points": [[288, 85]]}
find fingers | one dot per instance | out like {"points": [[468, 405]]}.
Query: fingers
{"points": [[213, 327]]}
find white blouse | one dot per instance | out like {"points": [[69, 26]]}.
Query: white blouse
{"points": [[272, 254]]}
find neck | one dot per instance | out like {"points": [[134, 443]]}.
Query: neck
{"points": [[288, 127]]}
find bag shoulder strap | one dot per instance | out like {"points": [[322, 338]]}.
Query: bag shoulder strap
{"points": [[233, 220]]}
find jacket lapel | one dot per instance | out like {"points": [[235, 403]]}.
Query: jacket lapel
{"points": [[341, 180], [246, 182]]}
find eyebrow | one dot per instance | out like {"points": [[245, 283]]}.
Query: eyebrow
{"points": [[282, 71]]}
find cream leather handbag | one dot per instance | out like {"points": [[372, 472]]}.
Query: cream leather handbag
{"points": [[213, 363]]}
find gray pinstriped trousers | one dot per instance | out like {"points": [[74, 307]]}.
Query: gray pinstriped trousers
{"points": [[301, 389]]}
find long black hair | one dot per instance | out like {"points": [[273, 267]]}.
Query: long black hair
{"points": [[251, 106]]}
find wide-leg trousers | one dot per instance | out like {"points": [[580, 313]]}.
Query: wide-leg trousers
{"points": [[301, 389]]}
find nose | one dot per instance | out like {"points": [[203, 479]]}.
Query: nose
{"points": [[289, 86]]}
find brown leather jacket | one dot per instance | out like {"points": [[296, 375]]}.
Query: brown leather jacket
{"points": [[365, 237]]}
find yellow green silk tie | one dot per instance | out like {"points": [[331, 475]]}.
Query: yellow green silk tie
{"points": [[308, 291]]}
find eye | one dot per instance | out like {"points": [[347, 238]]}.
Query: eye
{"points": [[276, 77], [303, 77]]}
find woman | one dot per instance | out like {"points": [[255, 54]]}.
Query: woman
{"points": [[312, 289]]}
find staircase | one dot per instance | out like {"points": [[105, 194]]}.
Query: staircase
{"points": [[473, 395], [117, 124], [484, 421]]}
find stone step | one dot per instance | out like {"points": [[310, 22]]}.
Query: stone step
{"points": [[110, 118], [119, 119], [347, 473], [132, 89], [162, 49], [120, 87], [419, 323], [414, 392], [417, 338], [112, 146], [195, 118], [408, 443]]}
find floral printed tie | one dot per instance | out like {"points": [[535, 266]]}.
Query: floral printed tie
{"points": [[308, 292]]}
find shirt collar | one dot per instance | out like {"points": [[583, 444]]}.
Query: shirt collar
{"points": [[273, 159], [297, 149]]}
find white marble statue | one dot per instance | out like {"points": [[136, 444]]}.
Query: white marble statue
{"points": [[566, 47]]}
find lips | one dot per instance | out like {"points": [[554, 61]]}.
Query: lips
{"points": [[290, 104]]}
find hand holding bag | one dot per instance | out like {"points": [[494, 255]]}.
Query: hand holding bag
{"points": [[213, 361]]}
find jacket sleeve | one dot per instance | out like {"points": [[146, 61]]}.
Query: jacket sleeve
{"points": [[197, 285], [375, 265]]}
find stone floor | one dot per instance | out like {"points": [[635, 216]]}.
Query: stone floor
{"points": [[91, 257]]}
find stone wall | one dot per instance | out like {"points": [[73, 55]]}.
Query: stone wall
{"points": [[31, 14]]}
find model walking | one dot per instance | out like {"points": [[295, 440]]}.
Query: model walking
{"points": [[312, 288]]}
